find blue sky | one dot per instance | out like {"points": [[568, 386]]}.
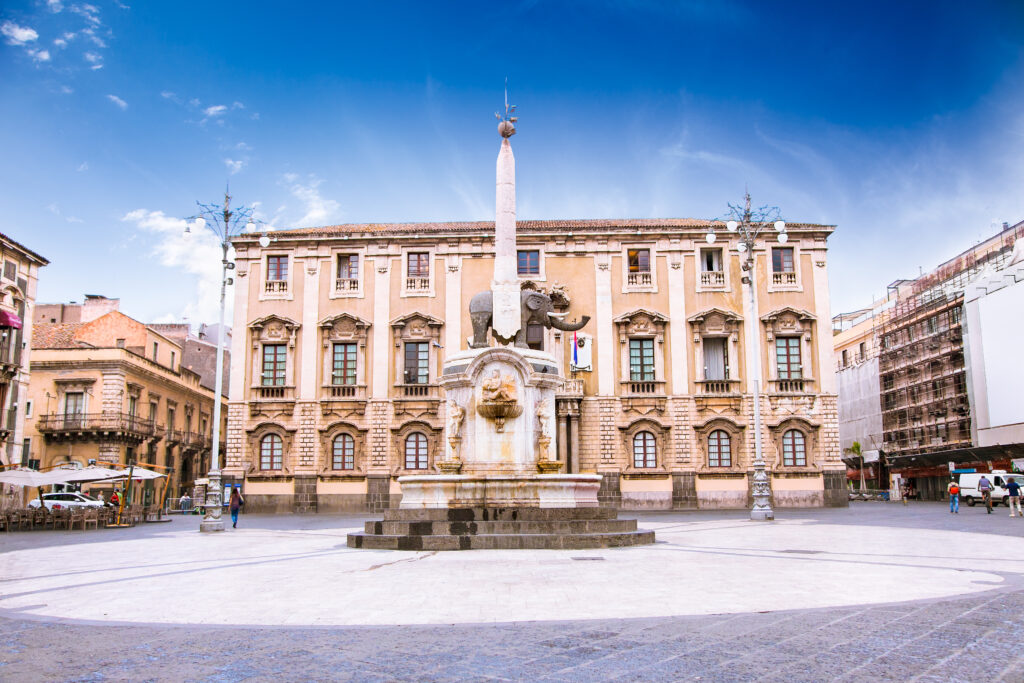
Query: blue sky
{"points": [[901, 122]]}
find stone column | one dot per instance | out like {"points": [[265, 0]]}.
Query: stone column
{"points": [[605, 339], [574, 441]]}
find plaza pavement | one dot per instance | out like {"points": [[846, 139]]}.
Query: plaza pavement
{"points": [[874, 592]]}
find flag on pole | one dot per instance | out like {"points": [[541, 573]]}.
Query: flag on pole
{"points": [[575, 355]]}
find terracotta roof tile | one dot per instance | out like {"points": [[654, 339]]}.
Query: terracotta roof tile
{"points": [[522, 226], [55, 335]]}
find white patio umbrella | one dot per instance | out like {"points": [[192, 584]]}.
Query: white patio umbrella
{"points": [[86, 474], [137, 473], [25, 477]]}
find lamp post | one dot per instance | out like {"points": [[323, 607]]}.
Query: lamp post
{"points": [[225, 223], [748, 225]]}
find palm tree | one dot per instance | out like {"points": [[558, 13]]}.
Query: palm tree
{"points": [[855, 449]]}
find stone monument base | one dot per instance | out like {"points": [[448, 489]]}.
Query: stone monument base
{"points": [[500, 490], [518, 528]]}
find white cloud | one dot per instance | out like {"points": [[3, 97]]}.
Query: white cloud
{"points": [[54, 5], [74, 219], [237, 105], [118, 101], [243, 147], [234, 165], [216, 110], [84, 166], [90, 13], [318, 210], [197, 254], [92, 58], [40, 55], [17, 35], [66, 90]]}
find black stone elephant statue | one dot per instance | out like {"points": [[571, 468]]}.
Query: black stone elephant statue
{"points": [[535, 307]]}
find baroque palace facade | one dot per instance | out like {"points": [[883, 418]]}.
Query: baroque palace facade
{"points": [[340, 333]]}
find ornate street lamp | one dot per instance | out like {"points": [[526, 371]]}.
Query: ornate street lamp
{"points": [[225, 223], [747, 225]]}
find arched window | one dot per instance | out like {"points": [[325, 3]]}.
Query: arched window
{"points": [[343, 453], [416, 451], [644, 451], [794, 451], [719, 449], [271, 452]]}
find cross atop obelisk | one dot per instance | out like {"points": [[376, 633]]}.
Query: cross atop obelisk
{"points": [[505, 285]]}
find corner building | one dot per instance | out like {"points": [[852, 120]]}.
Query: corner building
{"points": [[340, 333]]}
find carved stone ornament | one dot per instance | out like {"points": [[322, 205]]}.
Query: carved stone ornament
{"points": [[641, 323], [273, 329], [715, 322], [788, 322], [456, 414], [500, 399]]}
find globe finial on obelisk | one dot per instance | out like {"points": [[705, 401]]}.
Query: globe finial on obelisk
{"points": [[505, 284]]}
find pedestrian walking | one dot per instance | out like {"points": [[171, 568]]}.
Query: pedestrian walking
{"points": [[904, 492], [954, 497], [985, 488], [1014, 490], [235, 505]]}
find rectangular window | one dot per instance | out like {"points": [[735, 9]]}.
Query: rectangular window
{"points": [[10, 270], [782, 259], [120, 343], [861, 351], [74, 403], [417, 363], [419, 264], [529, 262], [711, 260], [152, 410], [156, 348], [348, 266], [787, 357], [26, 451], [344, 364], [172, 360], [716, 358], [277, 268], [28, 408], [133, 405], [846, 358], [639, 260], [274, 356], [641, 360]]}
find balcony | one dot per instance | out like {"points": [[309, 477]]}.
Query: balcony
{"points": [[87, 426], [343, 400], [790, 386], [571, 388], [784, 279], [417, 284], [712, 279], [417, 399], [644, 396], [274, 393], [346, 284], [718, 387], [640, 279], [275, 287], [342, 391]]}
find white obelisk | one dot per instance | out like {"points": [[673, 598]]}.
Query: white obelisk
{"points": [[505, 285]]}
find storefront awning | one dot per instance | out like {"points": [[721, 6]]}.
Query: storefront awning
{"points": [[8, 319]]}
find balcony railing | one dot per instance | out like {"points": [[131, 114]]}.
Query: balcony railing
{"points": [[417, 284], [572, 387], [712, 278], [640, 279], [418, 390], [280, 393], [95, 422], [346, 284], [276, 286], [712, 387], [784, 279], [352, 391], [789, 386], [645, 388]]}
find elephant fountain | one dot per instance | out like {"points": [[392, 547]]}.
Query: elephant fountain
{"points": [[536, 307]]}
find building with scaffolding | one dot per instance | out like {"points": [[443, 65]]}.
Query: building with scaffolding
{"points": [[925, 405]]}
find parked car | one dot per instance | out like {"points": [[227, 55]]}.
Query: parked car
{"points": [[57, 501], [969, 486]]}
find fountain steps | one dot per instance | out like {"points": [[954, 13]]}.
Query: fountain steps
{"points": [[499, 528]]}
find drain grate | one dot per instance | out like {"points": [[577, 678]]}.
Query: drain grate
{"points": [[592, 559]]}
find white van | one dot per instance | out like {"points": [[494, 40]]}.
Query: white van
{"points": [[969, 486]]}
